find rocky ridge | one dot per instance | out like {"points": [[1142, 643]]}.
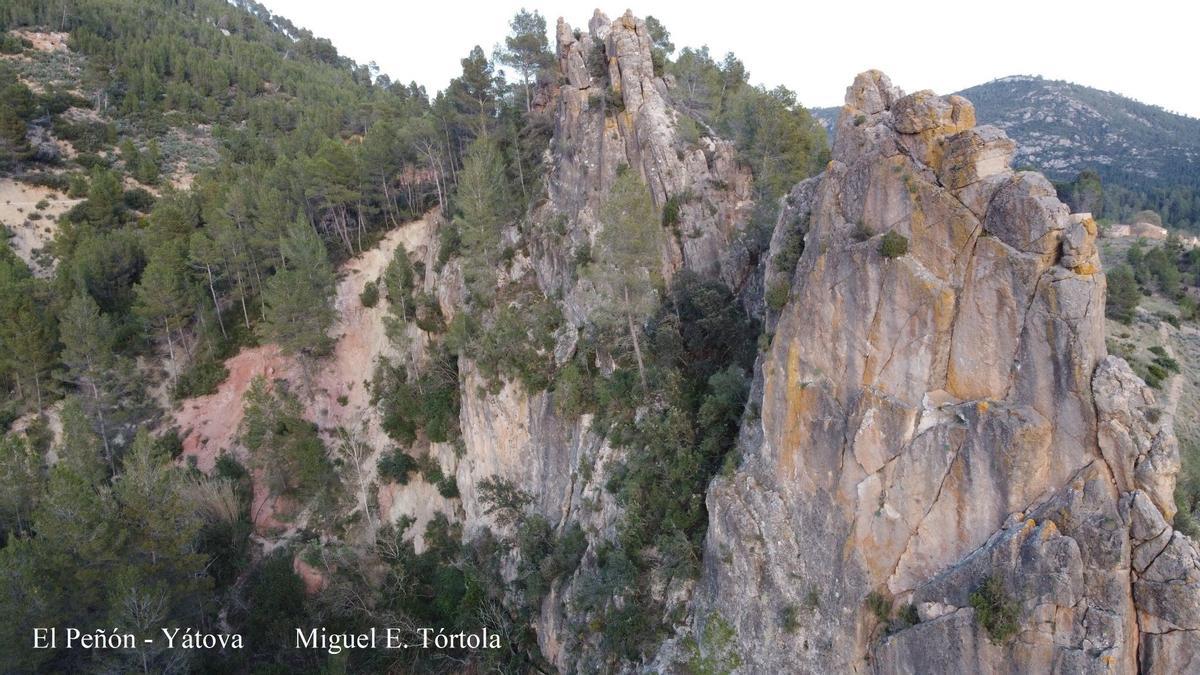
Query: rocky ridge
{"points": [[920, 424], [612, 111], [942, 418]]}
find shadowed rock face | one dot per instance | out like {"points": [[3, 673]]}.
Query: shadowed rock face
{"points": [[934, 419]]}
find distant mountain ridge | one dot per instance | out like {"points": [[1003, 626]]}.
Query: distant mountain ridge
{"points": [[1145, 156]]}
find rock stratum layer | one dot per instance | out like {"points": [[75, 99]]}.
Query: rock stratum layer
{"points": [[941, 418]]}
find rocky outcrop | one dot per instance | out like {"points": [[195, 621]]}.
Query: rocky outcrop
{"points": [[940, 418], [614, 111], [611, 111]]}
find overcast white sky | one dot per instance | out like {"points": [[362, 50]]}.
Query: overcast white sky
{"points": [[1145, 49]]}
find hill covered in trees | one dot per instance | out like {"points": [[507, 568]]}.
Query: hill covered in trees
{"points": [[206, 168]]}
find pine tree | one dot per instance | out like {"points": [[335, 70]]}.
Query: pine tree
{"points": [[527, 49], [27, 336], [147, 168], [165, 298], [399, 282], [21, 483], [78, 447], [628, 259], [205, 256], [104, 207], [379, 159], [482, 203], [111, 396], [88, 353], [122, 553], [14, 145], [332, 186], [298, 296], [16, 106], [1123, 294], [473, 93], [659, 35]]}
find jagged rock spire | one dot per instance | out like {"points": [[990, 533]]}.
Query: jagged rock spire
{"points": [[944, 416]]}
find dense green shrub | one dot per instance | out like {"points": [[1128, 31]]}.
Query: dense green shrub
{"points": [[206, 370], [687, 131], [789, 253], [427, 402], [87, 137], [283, 445], [54, 181], [449, 243], [777, 295], [671, 212], [396, 465], [893, 245], [573, 390], [519, 343], [614, 100], [276, 594], [908, 616], [1187, 488], [995, 610], [1123, 294], [544, 558], [880, 606], [701, 345], [138, 199], [13, 44], [448, 487], [370, 294]]}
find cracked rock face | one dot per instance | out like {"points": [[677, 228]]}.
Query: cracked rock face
{"points": [[942, 417]]}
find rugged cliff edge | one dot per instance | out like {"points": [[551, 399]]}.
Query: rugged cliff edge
{"points": [[612, 113], [942, 435], [940, 469]]}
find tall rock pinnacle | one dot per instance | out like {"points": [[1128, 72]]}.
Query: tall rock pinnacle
{"points": [[940, 423], [615, 111]]}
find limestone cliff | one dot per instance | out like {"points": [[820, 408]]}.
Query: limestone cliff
{"points": [[611, 110], [935, 418], [934, 423]]}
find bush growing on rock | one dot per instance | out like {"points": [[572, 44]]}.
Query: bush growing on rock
{"points": [[893, 245], [995, 610], [396, 466], [370, 294], [777, 295]]}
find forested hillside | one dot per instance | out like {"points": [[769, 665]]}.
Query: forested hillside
{"points": [[196, 173], [1145, 156]]}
